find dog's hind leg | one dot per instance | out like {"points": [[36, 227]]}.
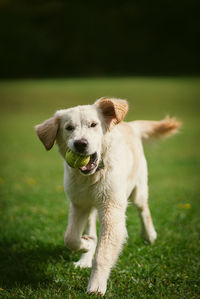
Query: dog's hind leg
{"points": [[76, 224], [86, 258], [140, 200]]}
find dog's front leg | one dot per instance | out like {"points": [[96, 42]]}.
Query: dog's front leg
{"points": [[76, 223], [112, 236], [86, 258]]}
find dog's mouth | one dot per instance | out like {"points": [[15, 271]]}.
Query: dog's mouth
{"points": [[92, 164]]}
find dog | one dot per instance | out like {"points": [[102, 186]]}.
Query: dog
{"points": [[117, 170]]}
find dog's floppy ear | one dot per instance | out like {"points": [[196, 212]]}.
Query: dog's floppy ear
{"points": [[114, 110], [47, 131]]}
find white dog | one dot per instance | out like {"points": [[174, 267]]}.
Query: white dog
{"points": [[116, 171]]}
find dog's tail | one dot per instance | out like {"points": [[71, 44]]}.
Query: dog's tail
{"points": [[156, 129]]}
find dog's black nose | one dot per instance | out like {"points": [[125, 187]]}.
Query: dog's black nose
{"points": [[81, 145]]}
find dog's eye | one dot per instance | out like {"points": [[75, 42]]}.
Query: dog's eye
{"points": [[69, 128], [93, 125]]}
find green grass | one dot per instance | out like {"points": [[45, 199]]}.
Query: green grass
{"points": [[34, 262]]}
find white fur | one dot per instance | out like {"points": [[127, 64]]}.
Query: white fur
{"points": [[105, 191]]}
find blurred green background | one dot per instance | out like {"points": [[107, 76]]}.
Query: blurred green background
{"points": [[82, 38]]}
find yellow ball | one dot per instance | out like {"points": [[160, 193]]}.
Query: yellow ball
{"points": [[75, 160]]}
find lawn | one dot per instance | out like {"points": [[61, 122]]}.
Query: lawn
{"points": [[34, 262]]}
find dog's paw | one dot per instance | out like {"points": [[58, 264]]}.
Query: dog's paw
{"points": [[96, 292], [151, 237], [83, 263], [97, 287]]}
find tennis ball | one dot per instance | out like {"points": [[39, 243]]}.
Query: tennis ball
{"points": [[75, 160]]}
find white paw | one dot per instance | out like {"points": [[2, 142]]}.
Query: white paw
{"points": [[97, 287], [83, 263], [150, 237]]}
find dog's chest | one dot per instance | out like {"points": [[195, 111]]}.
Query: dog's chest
{"points": [[80, 189], [79, 194]]}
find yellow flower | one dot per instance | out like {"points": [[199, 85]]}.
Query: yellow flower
{"points": [[1, 289], [59, 188], [30, 181], [187, 206]]}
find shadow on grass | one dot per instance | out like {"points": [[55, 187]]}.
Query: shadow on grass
{"points": [[24, 263]]}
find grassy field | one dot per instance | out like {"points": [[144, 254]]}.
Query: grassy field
{"points": [[34, 262]]}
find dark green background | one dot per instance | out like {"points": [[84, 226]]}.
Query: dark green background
{"points": [[76, 38]]}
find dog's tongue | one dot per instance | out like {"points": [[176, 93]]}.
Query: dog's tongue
{"points": [[91, 164], [84, 168], [88, 166]]}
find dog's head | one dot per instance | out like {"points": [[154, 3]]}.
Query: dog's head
{"points": [[82, 128]]}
